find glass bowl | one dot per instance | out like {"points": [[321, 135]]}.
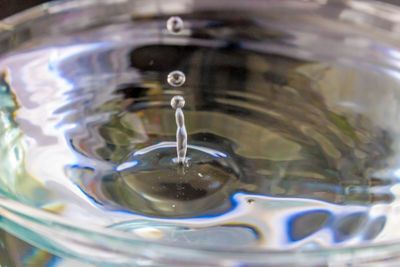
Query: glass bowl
{"points": [[353, 33]]}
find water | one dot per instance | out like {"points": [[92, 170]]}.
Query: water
{"points": [[282, 152], [177, 103], [176, 78], [175, 24]]}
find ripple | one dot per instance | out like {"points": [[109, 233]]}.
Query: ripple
{"points": [[276, 159]]}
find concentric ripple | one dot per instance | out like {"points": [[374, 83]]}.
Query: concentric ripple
{"points": [[283, 153]]}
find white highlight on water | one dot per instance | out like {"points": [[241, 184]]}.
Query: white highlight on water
{"points": [[178, 102], [212, 152]]}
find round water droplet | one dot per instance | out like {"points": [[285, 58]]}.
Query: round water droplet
{"points": [[177, 102], [174, 24], [176, 78]]}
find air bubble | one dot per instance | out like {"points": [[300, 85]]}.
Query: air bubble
{"points": [[174, 24], [176, 78]]}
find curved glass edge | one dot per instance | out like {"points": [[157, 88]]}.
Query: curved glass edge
{"points": [[72, 239], [99, 245]]}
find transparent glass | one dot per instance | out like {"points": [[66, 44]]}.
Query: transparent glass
{"points": [[353, 34]]}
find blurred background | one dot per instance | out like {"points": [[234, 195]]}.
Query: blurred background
{"points": [[9, 7]]}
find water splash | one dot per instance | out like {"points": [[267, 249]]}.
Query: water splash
{"points": [[178, 102]]}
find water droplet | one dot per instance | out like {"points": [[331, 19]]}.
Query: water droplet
{"points": [[176, 78], [177, 102], [174, 24]]}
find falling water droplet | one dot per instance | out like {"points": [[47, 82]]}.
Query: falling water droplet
{"points": [[176, 78], [174, 24], [177, 102]]}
